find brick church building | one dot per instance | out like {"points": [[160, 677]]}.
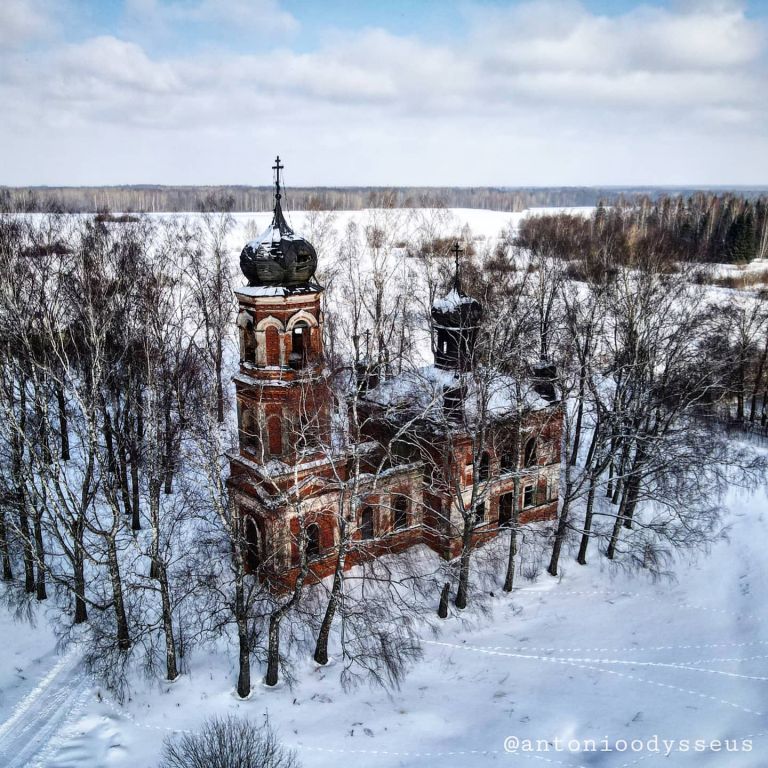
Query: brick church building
{"points": [[394, 460]]}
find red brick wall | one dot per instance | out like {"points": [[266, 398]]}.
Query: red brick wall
{"points": [[273, 345]]}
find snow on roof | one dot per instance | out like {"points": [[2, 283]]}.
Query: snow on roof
{"points": [[423, 390], [451, 301], [272, 235], [257, 291]]}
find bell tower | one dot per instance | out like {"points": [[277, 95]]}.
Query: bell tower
{"points": [[455, 322], [282, 395]]}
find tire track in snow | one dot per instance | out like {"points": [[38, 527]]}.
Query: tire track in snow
{"points": [[574, 663], [37, 719]]}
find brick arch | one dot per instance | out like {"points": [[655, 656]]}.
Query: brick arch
{"points": [[270, 321], [301, 316]]}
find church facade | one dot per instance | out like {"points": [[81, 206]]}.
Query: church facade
{"points": [[388, 463]]}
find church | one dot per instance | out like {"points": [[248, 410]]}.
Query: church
{"points": [[390, 463]]}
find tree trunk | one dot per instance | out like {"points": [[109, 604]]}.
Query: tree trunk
{"points": [[121, 618], [63, 424], [26, 544], [5, 552], [562, 527], [168, 458], [273, 650], [21, 497], [586, 533], [40, 590], [321, 646], [509, 577], [132, 437], [580, 408], [219, 384], [81, 607], [244, 656], [170, 643], [464, 562], [123, 477], [609, 484], [442, 608], [611, 551]]}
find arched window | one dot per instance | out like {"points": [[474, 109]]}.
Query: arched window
{"points": [[275, 432], [249, 429], [272, 341], [529, 496], [366, 523], [506, 508], [299, 343], [529, 454], [399, 512], [485, 466], [312, 546], [507, 460], [252, 549], [249, 344]]}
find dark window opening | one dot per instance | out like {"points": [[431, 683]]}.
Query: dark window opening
{"points": [[302, 257], [529, 455], [506, 508], [485, 466], [529, 496], [400, 513], [366, 523], [299, 342], [249, 345], [479, 512], [249, 430], [312, 546], [508, 460]]}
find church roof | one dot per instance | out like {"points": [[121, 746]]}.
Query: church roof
{"points": [[421, 392]]}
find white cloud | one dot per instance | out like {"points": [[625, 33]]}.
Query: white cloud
{"points": [[164, 17], [22, 21], [671, 87]]}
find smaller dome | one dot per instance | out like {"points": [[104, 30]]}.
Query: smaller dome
{"points": [[456, 310], [278, 256]]}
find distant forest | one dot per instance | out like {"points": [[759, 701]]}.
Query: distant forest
{"points": [[243, 198], [701, 228]]}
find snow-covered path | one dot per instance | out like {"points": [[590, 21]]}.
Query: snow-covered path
{"points": [[30, 735]]}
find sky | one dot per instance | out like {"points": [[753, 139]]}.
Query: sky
{"points": [[391, 92]]}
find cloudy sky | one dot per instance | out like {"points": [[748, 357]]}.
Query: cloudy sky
{"points": [[434, 92]]}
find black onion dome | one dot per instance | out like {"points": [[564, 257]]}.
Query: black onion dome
{"points": [[278, 256]]}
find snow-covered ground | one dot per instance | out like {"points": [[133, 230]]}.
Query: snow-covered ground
{"points": [[592, 655]]}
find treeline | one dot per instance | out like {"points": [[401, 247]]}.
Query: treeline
{"points": [[700, 228], [157, 198]]}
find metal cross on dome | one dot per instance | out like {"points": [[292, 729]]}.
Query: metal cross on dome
{"points": [[457, 249], [277, 168]]}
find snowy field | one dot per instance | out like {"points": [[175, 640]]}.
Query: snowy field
{"points": [[593, 655]]}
